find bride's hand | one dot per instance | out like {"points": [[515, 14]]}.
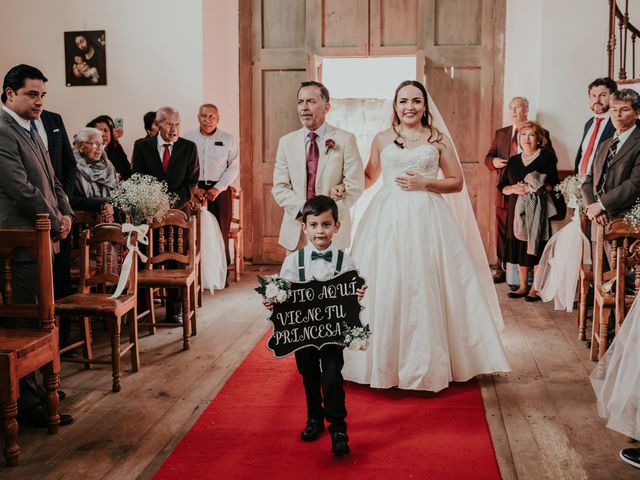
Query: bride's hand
{"points": [[411, 182], [337, 193]]}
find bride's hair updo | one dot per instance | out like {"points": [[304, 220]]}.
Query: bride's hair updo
{"points": [[435, 136]]}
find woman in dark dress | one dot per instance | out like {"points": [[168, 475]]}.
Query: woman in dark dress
{"points": [[534, 158], [112, 148]]}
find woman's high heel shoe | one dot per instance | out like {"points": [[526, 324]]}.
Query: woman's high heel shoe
{"points": [[517, 295]]}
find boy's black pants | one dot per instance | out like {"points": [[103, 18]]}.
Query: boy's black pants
{"points": [[321, 372]]}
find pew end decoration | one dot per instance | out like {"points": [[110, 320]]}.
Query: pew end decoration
{"points": [[143, 198], [571, 188], [632, 217]]}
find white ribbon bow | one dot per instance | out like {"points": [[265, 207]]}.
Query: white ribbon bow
{"points": [[129, 228]]}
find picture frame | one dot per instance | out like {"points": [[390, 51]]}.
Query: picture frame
{"points": [[85, 58]]}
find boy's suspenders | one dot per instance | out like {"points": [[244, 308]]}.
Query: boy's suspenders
{"points": [[301, 272]]}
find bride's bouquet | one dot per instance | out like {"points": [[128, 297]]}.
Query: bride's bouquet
{"points": [[632, 217], [356, 338], [273, 288], [571, 188], [143, 197]]}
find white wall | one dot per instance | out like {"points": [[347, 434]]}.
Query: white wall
{"points": [[158, 53], [553, 50]]}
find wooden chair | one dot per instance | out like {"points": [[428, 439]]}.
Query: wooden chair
{"points": [[584, 282], [617, 235], [104, 249], [23, 351], [235, 233], [627, 259], [84, 220], [172, 240]]}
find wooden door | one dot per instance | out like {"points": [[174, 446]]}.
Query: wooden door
{"points": [[280, 45], [461, 46]]}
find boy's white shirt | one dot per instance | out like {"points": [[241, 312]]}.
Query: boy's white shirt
{"points": [[319, 269]]}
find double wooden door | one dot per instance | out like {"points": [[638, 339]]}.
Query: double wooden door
{"points": [[459, 53]]}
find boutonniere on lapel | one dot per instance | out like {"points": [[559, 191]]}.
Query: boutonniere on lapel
{"points": [[329, 144]]}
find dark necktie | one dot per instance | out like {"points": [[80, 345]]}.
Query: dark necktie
{"points": [[313, 155], [513, 147], [601, 189], [327, 256], [166, 155], [33, 131]]}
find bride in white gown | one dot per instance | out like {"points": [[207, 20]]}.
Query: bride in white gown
{"points": [[433, 318]]}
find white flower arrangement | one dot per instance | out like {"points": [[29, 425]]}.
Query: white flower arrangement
{"points": [[632, 217], [571, 188], [273, 288], [356, 338], [143, 197]]}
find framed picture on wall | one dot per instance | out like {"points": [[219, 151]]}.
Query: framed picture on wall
{"points": [[85, 58]]}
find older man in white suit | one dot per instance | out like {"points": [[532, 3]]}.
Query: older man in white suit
{"points": [[318, 159]]}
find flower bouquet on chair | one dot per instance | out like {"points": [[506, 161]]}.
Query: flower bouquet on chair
{"points": [[142, 198]]}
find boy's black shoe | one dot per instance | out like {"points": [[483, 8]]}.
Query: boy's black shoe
{"points": [[313, 430], [631, 456], [340, 444]]}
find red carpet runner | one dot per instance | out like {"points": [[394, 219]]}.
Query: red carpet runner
{"points": [[251, 431]]}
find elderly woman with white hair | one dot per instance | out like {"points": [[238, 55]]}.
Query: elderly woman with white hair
{"points": [[96, 176]]}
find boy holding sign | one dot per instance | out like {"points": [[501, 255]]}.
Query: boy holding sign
{"points": [[321, 369]]}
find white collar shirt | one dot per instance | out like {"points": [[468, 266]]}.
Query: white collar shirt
{"points": [[319, 269], [161, 143], [218, 156]]}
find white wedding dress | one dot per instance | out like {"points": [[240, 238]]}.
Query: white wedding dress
{"points": [[616, 378], [429, 315], [212, 257]]}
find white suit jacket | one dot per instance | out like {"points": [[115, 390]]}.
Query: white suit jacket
{"points": [[341, 164]]}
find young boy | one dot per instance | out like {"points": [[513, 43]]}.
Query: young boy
{"points": [[321, 369]]}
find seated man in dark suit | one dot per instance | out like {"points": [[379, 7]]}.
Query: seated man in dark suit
{"points": [[174, 160]]}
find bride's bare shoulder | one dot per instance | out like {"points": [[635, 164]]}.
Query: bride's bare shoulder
{"points": [[384, 138]]}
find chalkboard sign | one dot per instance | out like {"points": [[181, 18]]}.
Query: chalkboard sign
{"points": [[315, 314]]}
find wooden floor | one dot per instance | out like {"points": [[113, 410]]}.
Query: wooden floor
{"points": [[542, 415]]}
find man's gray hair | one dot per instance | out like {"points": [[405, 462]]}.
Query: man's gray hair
{"points": [[85, 134], [163, 112], [627, 95], [523, 100]]}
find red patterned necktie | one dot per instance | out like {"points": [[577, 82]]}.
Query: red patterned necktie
{"points": [[584, 162], [166, 155], [313, 155], [513, 148]]}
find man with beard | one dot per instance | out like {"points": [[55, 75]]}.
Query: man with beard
{"points": [[599, 127]]}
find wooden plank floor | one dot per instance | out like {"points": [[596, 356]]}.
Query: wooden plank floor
{"points": [[542, 415]]}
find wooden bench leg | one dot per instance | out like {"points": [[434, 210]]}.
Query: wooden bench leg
{"points": [[9, 411], [604, 332], [133, 338], [87, 348], [51, 385], [152, 312], [582, 310], [186, 319], [595, 329], [115, 354]]}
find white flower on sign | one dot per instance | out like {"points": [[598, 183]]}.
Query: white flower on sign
{"points": [[271, 291]]}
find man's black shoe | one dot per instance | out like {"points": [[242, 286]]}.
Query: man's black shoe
{"points": [[312, 431], [499, 276], [339, 444], [631, 456], [177, 319], [38, 417]]}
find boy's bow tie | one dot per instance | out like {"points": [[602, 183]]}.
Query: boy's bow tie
{"points": [[324, 256]]}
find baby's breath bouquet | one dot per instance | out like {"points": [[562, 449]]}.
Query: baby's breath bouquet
{"points": [[356, 338], [143, 197], [273, 288], [632, 217], [571, 188]]}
